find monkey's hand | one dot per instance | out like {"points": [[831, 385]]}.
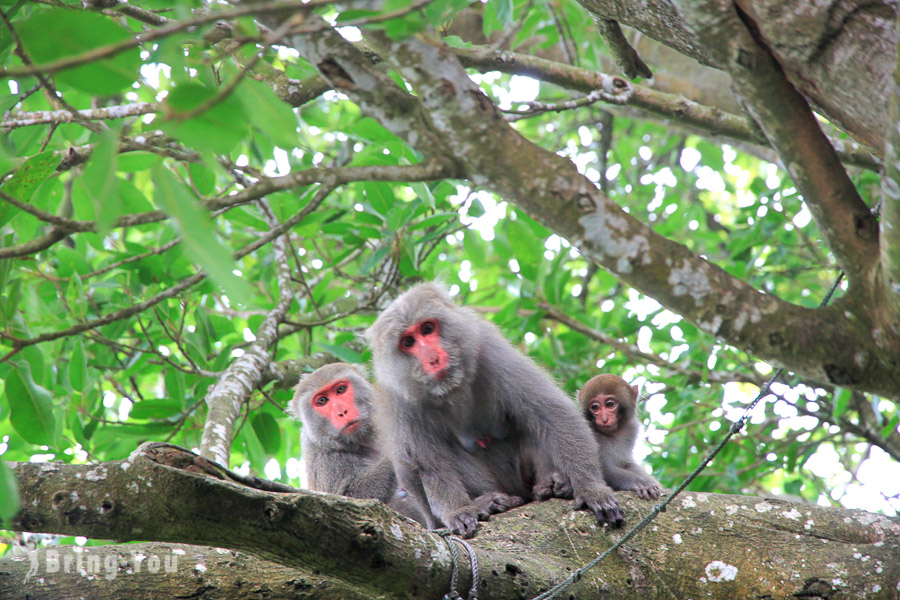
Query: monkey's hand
{"points": [[603, 504], [553, 485], [494, 503], [463, 522], [648, 490]]}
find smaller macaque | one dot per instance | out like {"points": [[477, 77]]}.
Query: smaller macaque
{"points": [[609, 404], [338, 438]]}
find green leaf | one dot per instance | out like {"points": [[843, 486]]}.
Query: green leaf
{"points": [[437, 219], [9, 491], [204, 329], [71, 261], [53, 35], [890, 427], [841, 401], [132, 162], [527, 249], [203, 178], [369, 130], [99, 182], [380, 196], [497, 15], [25, 181], [343, 353], [161, 408], [176, 389], [269, 113], [31, 407], [77, 366], [267, 431], [219, 128], [199, 240], [401, 214], [373, 259]]}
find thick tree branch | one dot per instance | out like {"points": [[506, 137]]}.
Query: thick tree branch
{"points": [[625, 56], [550, 188], [839, 55], [890, 207], [846, 223], [698, 547], [153, 570]]}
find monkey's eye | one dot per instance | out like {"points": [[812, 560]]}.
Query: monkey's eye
{"points": [[428, 327], [610, 404], [408, 341], [595, 407], [321, 400], [341, 389]]}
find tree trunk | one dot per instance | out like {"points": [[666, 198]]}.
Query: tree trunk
{"points": [[321, 545]]}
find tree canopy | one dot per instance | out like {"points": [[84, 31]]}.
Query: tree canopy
{"points": [[199, 202]]}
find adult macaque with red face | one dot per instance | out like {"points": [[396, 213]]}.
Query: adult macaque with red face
{"points": [[609, 405], [467, 414], [338, 438], [341, 448]]}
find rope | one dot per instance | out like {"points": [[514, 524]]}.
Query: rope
{"points": [[661, 507], [454, 560]]}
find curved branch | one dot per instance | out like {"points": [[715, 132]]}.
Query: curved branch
{"points": [[225, 399], [491, 153], [674, 109], [789, 124], [520, 553]]}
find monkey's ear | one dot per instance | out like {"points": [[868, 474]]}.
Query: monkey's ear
{"points": [[637, 392]]}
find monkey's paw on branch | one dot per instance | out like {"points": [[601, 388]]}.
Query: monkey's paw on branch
{"points": [[554, 485], [463, 523], [492, 504], [465, 520], [604, 506], [647, 491]]}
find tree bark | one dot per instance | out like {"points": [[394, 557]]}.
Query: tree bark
{"points": [[704, 545], [153, 570], [839, 55]]}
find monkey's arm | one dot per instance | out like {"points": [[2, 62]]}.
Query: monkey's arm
{"points": [[556, 431], [628, 475], [376, 480]]}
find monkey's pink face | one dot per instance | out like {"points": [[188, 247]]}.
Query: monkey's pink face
{"points": [[605, 413], [423, 342], [335, 402]]}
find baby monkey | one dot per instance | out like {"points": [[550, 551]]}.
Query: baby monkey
{"points": [[609, 404]]}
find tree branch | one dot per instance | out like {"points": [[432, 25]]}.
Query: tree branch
{"points": [[373, 550], [674, 109], [789, 124], [549, 187], [225, 399], [154, 570]]}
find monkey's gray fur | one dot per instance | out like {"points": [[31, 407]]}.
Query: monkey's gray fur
{"points": [[494, 423], [617, 448], [348, 464]]}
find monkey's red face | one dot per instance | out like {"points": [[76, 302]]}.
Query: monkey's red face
{"points": [[335, 402], [423, 341], [605, 412]]}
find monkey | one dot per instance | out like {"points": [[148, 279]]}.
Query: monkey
{"points": [[468, 414], [340, 446], [609, 404], [338, 438]]}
